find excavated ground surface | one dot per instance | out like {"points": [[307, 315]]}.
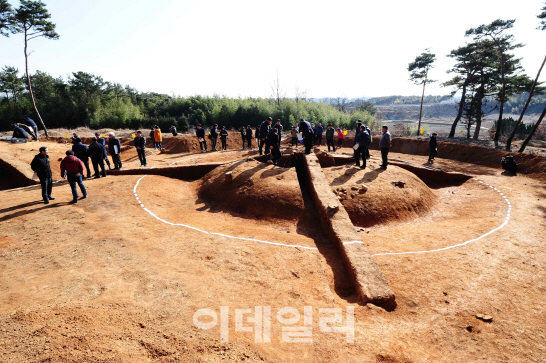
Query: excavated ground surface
{"points": [[105, 281]]}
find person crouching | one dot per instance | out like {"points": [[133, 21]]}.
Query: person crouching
{"points": [[74, 170], [273, 139]]}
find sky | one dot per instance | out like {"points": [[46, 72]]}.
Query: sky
{"points": [[237, 48]]}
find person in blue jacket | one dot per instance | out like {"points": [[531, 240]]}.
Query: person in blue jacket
{"points": [[30, 123], [361, 143], [318, 138], [102, 141]]}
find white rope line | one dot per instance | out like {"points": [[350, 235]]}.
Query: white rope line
{"points": [[211, 233], [344, 243]]}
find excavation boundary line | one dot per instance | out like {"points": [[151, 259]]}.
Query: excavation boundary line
{"points": [[507, 219]]}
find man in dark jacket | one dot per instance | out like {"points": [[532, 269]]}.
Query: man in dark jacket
{"points": [[214, 136], [80, 151], [307, 134], [102, 141], [200, 133], [140, 145], [433, 147], [318, 134], [30, 123], [278, 126], [223, 137], [97, 153], [265, 127], [248, 135], [18, 132], [114, 148], [362, 141], [330, 138], [385, 145], [40, 164], [243, 136], [274, 146], [74, 170]]}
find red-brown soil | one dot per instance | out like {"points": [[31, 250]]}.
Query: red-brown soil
{"points": [[255, 190], [375, 196], [105, 281]]}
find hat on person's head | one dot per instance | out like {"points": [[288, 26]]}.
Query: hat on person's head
{"points": [[269, 118], [111, 134]]}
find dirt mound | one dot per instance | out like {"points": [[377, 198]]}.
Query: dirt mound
{"points": [[380, 196], [253, 189]]}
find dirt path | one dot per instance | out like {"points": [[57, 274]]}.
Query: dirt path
{"points": [[103, 280]]}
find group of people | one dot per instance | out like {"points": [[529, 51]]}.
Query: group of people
{"points": [[25, 129], [75, 165]]}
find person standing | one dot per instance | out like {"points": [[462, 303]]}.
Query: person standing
{"points": [[358, 124], [257, 135], [97, 153], [152, 137], [249, 137], [362, 140], [30, 123], [368, 148], [340, 138], [140, 145], [278, 126], [80, 151], [274, 146], [200, 133], [265, 128], [307, 134], [40, 164], [243, 136], [114, 147], [294, 140], [214, 136], [433, 147], [74, 170], [319, 132], [330, 138], [158, 137], [223, 137], [385, 143], [102, 141]]}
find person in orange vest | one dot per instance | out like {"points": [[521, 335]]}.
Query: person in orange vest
{"points": [[158, 138]]}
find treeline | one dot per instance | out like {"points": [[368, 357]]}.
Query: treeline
{"points": [[87, 100], [406, 100]]}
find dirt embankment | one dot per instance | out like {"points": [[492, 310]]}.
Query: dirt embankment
{"points": [[253, 189], [530, 164]]}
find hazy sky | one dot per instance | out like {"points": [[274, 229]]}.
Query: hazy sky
{"points": [[235, 48]]}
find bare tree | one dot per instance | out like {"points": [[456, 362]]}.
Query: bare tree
{"points": [[341, 103], [301, 94], [278, 92]]}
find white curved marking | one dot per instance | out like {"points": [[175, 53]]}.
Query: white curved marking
{"points": [[344, 243], [213, 233]]}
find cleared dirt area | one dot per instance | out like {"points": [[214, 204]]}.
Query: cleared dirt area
{"points": [[118, 276]]}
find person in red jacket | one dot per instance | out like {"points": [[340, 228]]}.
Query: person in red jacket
{"points": [[73, 167]]}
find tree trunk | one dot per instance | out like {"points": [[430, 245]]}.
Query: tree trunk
{"points": [[421, 109], [530, 136], [501, 108], [509, 141], [460, 113], [479, 111], [30, 88]]}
